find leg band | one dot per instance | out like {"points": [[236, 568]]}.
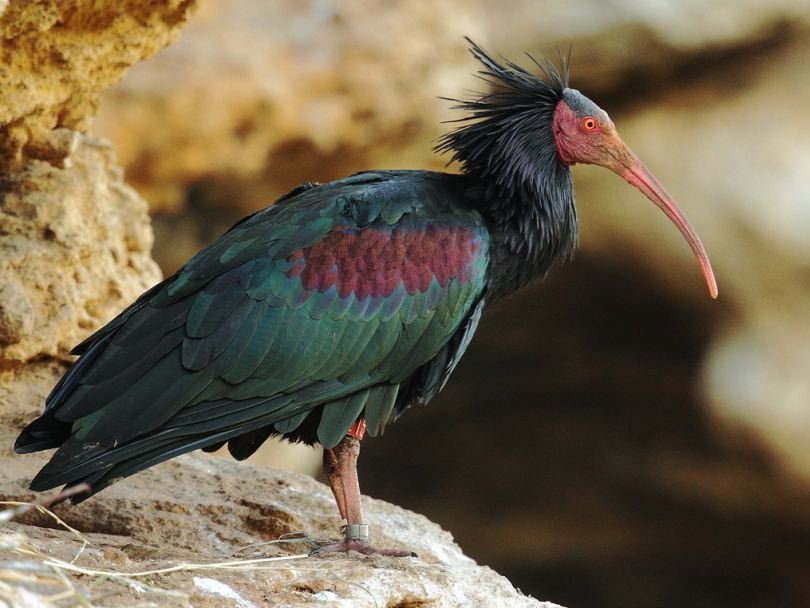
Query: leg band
{"points": [[355, 532]]}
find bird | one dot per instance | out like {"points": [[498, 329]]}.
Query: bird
{"points": [[326, 315]]}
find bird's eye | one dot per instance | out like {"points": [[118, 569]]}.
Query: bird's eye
{"points": [[589, 123]]}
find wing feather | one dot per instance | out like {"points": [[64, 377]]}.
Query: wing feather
{"points": [[338, 416], [239, 344]]}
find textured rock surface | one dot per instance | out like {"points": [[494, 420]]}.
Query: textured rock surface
{"points": [[256, 97], [56, 56], [624, 44], [201, 509], [74, 239], [75, 247]]}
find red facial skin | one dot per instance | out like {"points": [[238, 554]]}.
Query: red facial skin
{"points": [[592, 139]]}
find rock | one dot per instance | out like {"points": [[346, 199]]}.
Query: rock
{"points": [[74, 239], [251, 105], [74, 249], [624, 48], [16, 312], [198, 509], [742, 182], [58, 55]]}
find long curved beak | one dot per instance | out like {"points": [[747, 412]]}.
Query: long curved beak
{"points": [[631, 169]]}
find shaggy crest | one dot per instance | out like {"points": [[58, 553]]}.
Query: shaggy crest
{"points": [[506, 146], [507, 132]]}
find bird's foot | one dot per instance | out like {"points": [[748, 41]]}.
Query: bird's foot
{"points": [[356, 539], [359, 545]]}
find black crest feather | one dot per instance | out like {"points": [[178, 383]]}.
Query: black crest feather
{"points": [[510, 125], [506, 148]]}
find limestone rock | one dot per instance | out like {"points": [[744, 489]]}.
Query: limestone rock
{"points": [[627, 46], [738, 168], [257, 96], [200, 509], [57, 55], [74, 239], [75, 247]]}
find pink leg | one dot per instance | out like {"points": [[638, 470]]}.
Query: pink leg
{"points": [[341, 470], [330, 466], [347, 452]]}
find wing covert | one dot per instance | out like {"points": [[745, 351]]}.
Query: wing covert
{"points": [[322, 305]]}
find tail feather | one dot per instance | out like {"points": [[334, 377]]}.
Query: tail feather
{"points": [[78, 461], [44, 433]]}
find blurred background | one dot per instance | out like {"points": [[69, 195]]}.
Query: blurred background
{"points": [[613, 437]]}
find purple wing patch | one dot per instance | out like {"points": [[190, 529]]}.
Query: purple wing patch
{"points": [[374, 261]]}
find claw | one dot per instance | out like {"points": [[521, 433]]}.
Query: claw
{"points": [[360, 546]]}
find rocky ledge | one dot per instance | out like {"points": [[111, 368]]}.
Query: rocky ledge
{"points": [[214, 532]]}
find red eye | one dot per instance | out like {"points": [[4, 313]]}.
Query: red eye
{"points": [[589, 123]]}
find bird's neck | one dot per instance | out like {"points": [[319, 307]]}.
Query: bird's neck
{"points": [[533, 225]]}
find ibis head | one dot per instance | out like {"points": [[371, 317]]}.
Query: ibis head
{"points": [[584, 133]]}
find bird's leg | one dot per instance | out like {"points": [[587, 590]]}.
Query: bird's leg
{"points": [[330, 466], [347, 452], [341, 471]]}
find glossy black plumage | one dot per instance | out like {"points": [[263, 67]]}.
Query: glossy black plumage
{"points": [[241, 343], [506, 145]]}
